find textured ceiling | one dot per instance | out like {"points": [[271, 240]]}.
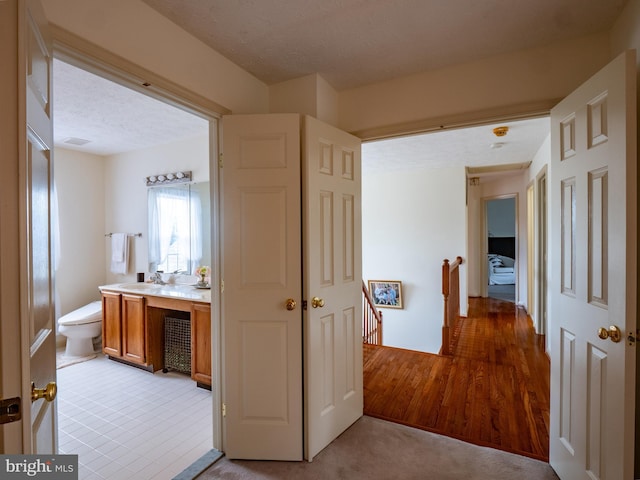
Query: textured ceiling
{"points": [[473, 146], [113, 118], [356, 42], [349, 43]]}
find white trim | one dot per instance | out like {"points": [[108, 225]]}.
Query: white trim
{"points": [[542, 239], [92, 58]]}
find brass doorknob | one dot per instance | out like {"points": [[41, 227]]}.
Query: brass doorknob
{"points": [[317, 302], [48, 393], [290, 304], [613, 333]]}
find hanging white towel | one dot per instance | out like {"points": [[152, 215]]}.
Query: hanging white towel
{"points": [[119, 253]]}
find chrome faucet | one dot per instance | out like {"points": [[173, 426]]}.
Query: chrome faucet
{"points": [[157, 278]]}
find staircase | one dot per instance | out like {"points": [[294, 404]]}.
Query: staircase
{"points": [[371, 319]]}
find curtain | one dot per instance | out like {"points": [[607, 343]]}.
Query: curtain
{"points": [[168, 214], [196, 231], [174, 219]]}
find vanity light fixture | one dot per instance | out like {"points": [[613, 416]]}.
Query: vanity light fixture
{"points": [[168, 178]]}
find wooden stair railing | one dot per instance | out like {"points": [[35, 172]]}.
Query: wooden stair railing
{"points": [[371, 319], [451, 294]]}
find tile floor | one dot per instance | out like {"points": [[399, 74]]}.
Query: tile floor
{"points": [[126, 423]]}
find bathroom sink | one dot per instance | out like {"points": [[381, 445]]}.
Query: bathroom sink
{"points": [[141, 286]]}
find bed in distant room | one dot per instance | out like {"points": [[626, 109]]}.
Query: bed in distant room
{"points": [[501, 269]]}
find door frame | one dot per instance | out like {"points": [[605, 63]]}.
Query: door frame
{"points": [[541, 247], [531, 248], [82, 54], [12, 217], [484, 271]]}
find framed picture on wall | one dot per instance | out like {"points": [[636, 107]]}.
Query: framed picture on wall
{"points": [[386, 293]]}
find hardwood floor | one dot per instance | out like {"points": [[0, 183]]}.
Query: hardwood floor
{"points": [[494, 391]]}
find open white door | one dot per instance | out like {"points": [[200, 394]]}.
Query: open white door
{"points": [[262, 273], [261, 270], [593, 270], [31, 241], [332, 284]]}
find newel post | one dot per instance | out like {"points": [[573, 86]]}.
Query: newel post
{"points": [[445, 294]]}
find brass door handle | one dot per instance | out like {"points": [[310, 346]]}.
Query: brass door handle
{"points": [[48, 393], [613, 333], [317, 302], [290, 304]]}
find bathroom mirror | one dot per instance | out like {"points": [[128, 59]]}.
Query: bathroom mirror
{"points": [[179, 227]]}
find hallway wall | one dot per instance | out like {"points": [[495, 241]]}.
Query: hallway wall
{"points": [[411, 221]]}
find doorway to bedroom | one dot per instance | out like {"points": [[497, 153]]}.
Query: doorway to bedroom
{"points": [[501, 248]]}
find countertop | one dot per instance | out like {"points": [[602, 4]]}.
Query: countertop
{"points": [[175, 291]]}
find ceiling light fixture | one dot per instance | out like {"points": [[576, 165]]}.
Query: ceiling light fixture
{"points": [[500, 131], [76, 141]]}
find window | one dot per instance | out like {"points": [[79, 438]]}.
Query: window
{"points": [[175, 232]]}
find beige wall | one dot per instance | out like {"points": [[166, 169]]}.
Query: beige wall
{"points": [[309, 95], [504, 83], [79, 265], [625, 33], [411, 221], [136, 32], [126, 191]]}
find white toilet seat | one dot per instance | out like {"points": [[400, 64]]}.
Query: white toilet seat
{"points": [[80, 327], [90, 313]]}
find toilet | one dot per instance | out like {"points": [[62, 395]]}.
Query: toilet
{"points": [[80, 327]]}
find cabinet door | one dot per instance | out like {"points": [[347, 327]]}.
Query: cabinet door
{"points": [[201, 343], [133, 328], [111, 325]]}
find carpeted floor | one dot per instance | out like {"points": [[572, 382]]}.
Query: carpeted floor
{"points": [[374, 449]]}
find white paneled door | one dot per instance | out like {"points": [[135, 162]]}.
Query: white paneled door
{"points": [[332, 283], [592, 317], [262, 297], [291, 232], [37, 300], [28, 324]]}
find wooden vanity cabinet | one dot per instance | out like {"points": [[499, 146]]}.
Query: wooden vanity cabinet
{"points": [[111, 324], [126, 332], [201, 343], [134, 329]]}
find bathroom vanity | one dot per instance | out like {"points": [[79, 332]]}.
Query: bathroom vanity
{"points": [[133, 324]]}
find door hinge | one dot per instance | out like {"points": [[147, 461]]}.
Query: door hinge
{"points": [[224, 409], [632, 337], [220, 160], [221, 286], [10, 410]]}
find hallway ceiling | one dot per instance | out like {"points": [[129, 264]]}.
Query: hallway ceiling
{"points": [[349, 43], [356, 42]]}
